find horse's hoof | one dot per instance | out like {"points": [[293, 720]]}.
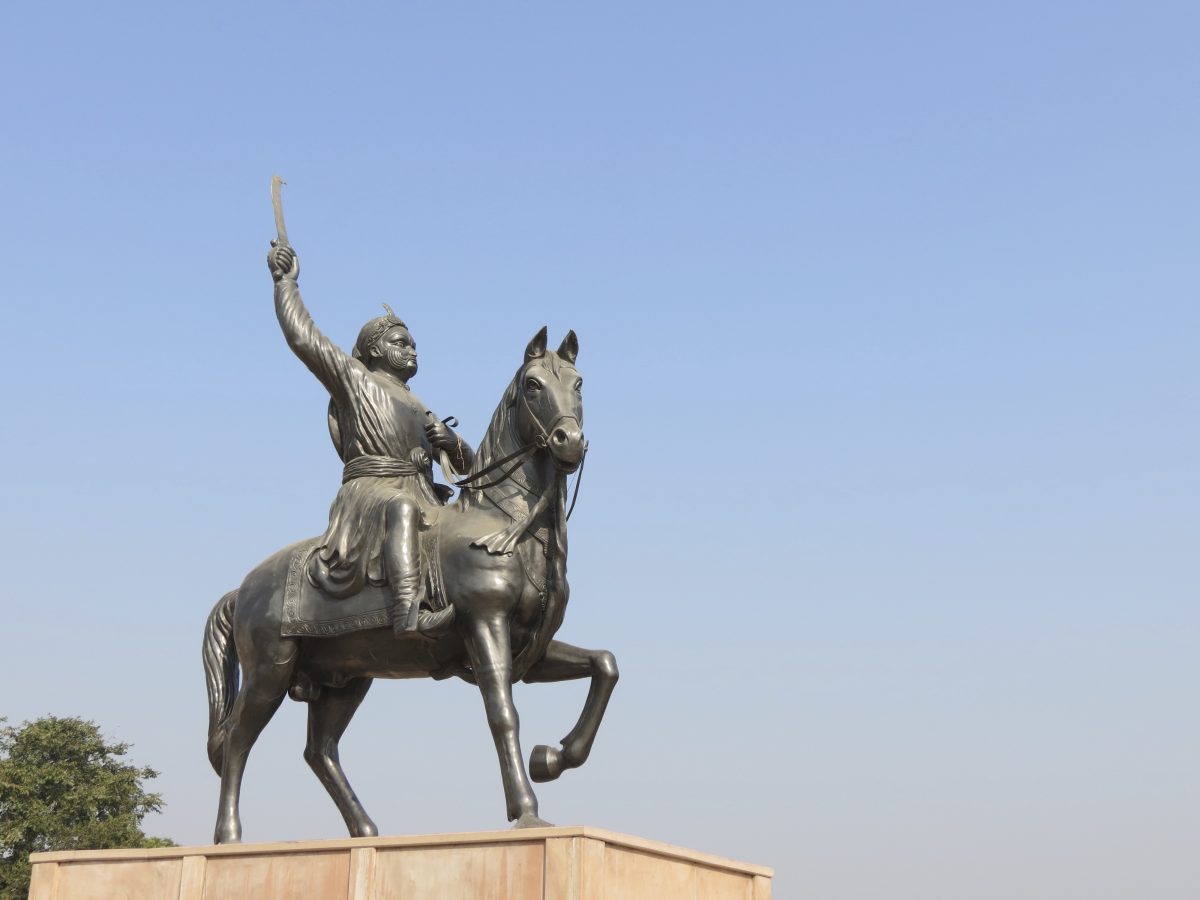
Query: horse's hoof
{"points": [[227, 836], [531, 820], [365, 829], [545, 763]]}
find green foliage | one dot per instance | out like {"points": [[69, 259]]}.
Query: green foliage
{"points": [[62, 787]]}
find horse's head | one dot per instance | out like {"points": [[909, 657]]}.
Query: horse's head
{"points": [[549, 401]]}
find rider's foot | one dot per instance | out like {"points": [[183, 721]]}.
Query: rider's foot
{"points": [[434, 623]]}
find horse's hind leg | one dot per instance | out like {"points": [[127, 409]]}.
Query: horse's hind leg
{"points": [[328, 716], [563, 662], [266, 684]]}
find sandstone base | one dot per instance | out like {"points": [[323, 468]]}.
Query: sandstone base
{"points": [[570, 863]]}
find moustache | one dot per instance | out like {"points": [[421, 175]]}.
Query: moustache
{"points": [[401, 359]]}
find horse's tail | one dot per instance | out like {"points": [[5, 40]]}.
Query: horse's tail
{"points": [[220, 674]]}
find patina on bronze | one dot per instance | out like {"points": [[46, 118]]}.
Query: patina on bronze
{"points": [[490, 587]]}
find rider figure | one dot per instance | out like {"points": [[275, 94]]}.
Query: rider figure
{"points": [[385, 436]]}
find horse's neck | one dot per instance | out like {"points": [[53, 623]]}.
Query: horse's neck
{"points": [[535, 476], [498, 441], [532, 479], [523, 490]]}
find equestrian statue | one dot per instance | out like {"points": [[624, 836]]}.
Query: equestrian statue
{"points": [[403, 584]]}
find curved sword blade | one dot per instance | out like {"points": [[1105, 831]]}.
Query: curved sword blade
{"points": [[277, 203]]}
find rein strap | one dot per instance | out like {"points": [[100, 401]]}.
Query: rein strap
{"points": [[518, 455]]}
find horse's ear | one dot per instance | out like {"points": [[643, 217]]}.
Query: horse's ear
{"points": [[537, 347], [569, 348]]}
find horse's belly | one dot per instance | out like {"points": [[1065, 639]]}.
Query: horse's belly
{"points": [[376, 654]]}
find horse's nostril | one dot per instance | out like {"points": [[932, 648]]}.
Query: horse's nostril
{"points": [[560, 436]]}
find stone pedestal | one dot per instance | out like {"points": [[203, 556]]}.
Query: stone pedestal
{"points": [[572, 863]]}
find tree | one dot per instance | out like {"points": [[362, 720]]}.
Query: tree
{"points": [[63, 787]]}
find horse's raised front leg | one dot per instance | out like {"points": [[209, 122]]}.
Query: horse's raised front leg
{"points": [[328, 716], [489, 648], [563, 662]]}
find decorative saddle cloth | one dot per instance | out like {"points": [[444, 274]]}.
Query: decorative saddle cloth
{"points": [[310, 612]]}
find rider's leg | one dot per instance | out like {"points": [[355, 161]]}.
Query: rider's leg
{"points": [[402, 559]]}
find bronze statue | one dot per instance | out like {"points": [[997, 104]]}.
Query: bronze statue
{"points": [[482, 582], [384, 436]]}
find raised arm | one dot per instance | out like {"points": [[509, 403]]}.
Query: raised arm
{"points": [[334, 368]]}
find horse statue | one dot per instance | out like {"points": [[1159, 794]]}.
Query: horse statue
{"points": [[500, 551]]}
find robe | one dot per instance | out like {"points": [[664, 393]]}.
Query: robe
{"points": [[372, 414]]}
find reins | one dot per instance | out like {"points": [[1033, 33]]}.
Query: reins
{"points": [[578, 481], [520, 455], [521, 452]]}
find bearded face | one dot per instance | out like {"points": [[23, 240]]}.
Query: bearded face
{"points": [[399, 351]]}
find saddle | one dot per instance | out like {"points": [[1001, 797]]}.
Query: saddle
{"points": [[309, 611]]}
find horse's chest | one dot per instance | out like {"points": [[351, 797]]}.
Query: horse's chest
{"points": [[532, 602]]}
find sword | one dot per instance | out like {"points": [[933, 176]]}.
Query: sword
{"points": [[277, 203]]}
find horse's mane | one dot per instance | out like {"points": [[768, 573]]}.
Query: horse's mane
{"points": [[500, 439]]}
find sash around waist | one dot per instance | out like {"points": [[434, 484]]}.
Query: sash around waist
{"points": [[381, 467]]}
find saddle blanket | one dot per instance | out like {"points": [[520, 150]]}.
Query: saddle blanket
{"points": [[310, 612]]}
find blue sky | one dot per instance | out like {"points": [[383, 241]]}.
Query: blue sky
{"points": [[889, 322]]}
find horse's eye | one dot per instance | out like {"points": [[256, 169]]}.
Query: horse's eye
{"points": [[579, 386], [532, 384]]}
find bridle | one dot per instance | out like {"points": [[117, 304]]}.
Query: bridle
{"points": [[541, 441]]}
